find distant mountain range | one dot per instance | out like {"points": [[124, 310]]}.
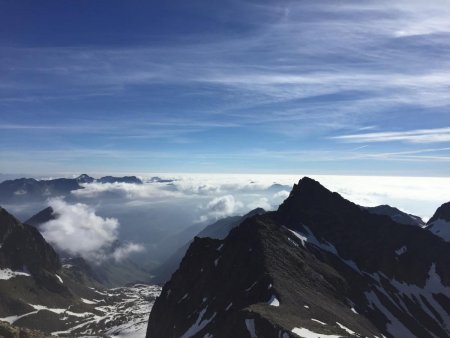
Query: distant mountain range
{"points": [[319, 266], [30, 189]]}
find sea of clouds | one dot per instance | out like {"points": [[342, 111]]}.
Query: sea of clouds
{"points": [[150, 221]]}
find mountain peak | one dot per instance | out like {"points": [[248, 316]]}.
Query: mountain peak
{"points": [[84, 178], [309, 187], [310, 197]]}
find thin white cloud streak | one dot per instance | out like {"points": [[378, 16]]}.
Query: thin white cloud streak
{"points": [[123, 190], [354, 28], [436, 135]]}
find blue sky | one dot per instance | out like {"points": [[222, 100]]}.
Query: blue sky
{"points": [[323, 87]]}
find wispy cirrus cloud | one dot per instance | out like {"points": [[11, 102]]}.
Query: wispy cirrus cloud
{"points": [[436, 135], [294, 76]]}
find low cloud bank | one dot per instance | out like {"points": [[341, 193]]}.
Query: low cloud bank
{"points": [[78, 231]]}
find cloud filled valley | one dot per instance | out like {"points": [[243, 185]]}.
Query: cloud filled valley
{"points": [[78, 231]]}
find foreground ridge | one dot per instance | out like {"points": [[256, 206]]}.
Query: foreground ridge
{"points": [[320, 265]]}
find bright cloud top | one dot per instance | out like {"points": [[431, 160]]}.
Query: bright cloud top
{"points": [[78, 231]]}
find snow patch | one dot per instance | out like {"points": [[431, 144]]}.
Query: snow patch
{"points": [[251, 287], [273, 301], [199, 324], [183, 298], [250, 324], [305, 333], [318, 321], [13, 319], [6, 274], [87, 301], [346, 329], [395, 327], [59, 278], [42, 307], [310, 239], [441, 228], [401, 251]]}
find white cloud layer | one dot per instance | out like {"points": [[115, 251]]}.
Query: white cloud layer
{"points": [[229, 194], [78, 231]]}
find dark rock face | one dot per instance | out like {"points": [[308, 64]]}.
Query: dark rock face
{"points": [[125, 179], [321, 264], [24, 248], [397, 215], [217, 230]]}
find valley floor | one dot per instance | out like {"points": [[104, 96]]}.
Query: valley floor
{"points": [[118, 312]]}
